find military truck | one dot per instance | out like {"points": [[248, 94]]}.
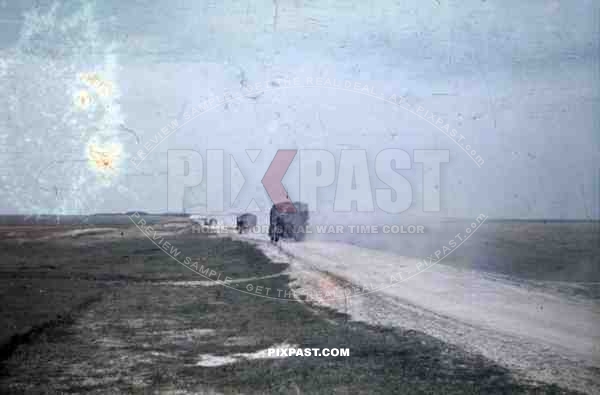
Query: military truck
{"points": [[288, 221], [245, 222]]}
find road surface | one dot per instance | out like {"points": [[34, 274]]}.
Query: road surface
{"points": [[536, 333]]}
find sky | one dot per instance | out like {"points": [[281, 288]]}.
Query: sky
{"points": [[85, 85]]}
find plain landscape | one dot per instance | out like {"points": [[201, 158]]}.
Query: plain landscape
{"points": [[101, 309]]}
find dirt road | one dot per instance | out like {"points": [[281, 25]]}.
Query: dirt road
{"points": [[110, 313], [533, 332]]}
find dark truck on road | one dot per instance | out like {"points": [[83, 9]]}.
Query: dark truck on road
{"points": [[288, 221], [245, 222]]}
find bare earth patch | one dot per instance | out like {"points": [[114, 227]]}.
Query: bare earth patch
{"points": [[141, 334]]}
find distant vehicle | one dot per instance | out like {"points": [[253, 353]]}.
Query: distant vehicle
{"points": [[204, 220], [245, 222], [207, 225], [288, 221]]}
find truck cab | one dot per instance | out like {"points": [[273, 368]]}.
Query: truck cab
{"points": [[288, 221]]}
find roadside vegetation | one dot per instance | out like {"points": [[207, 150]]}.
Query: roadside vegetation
{"points": [[120, 316]]}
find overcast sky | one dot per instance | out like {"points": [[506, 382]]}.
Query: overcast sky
{"points": [[518, 80]]}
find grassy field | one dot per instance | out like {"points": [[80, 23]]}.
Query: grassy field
{"points": [[117, 316]]}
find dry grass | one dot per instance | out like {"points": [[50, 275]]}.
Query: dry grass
{"points": [[111, 319]]}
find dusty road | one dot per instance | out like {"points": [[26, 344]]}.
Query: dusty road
{"points": [[536, 333], [109, 312]]}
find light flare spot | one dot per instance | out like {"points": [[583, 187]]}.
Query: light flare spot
{"points": [[101, 86], [83, 100], [104, 157]]}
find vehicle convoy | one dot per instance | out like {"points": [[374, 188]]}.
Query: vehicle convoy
{"points": [[205, 225], [245, 222], [288, 221]]}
